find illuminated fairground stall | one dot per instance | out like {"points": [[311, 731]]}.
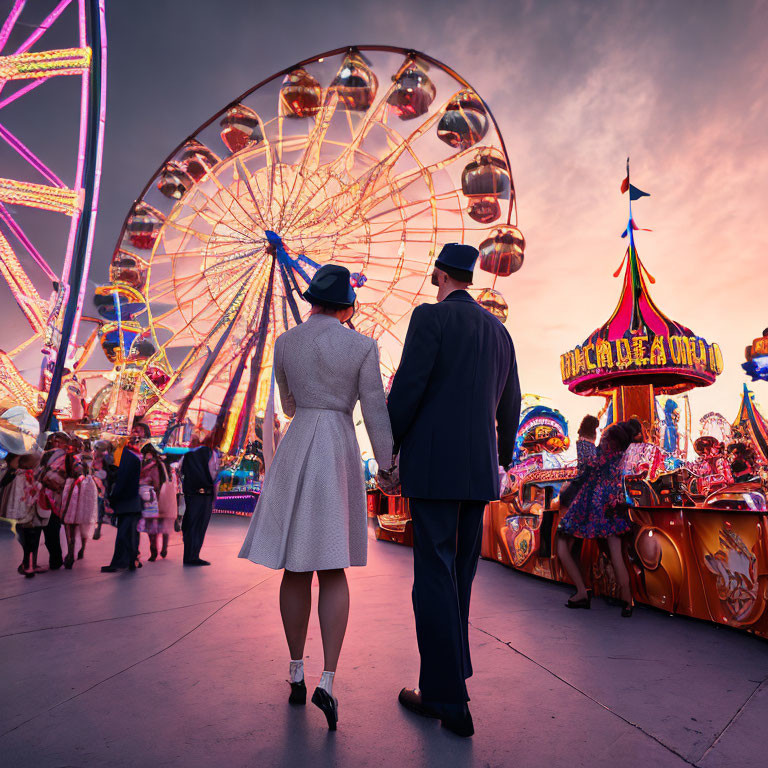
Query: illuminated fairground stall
{"points": [[699, 543]]}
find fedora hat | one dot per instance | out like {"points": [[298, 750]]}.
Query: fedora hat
{"points": [[458, 256], [18, 430], [330, 286]]}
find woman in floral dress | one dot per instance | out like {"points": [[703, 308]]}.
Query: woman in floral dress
{"points": [[595, 513]]}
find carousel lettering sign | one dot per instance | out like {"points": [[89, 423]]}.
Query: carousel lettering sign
{"points": [[640, 353]]}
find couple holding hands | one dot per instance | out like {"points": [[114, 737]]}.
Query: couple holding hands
{"points": [[451, 415]]}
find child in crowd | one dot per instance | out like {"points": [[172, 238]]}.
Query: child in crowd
{"points": [[19, 491]]}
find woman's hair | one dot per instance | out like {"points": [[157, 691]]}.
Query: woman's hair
{"points": [[635, 427], [617, 437], [588, 426], [144, 428], [71, 463], [161, 468], [149, 448]]}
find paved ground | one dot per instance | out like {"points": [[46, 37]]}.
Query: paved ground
{"points": [[186, 667]]}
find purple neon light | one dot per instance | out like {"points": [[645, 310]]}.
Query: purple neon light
{"points": [[22, 91], [24, 240], [80, 159], [30, 157], [99, 151], [5, 32], [43, 28]]}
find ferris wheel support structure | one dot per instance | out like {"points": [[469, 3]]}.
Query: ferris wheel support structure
{"points": [[91, 155]]}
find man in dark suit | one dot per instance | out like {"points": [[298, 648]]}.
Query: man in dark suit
{"points": [[199, 475], [126, 503], [456, 391]]}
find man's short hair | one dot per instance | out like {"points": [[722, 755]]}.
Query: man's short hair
{"points": [[459, 275]]}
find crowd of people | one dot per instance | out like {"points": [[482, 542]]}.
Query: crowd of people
{"points": [[79, 486]]}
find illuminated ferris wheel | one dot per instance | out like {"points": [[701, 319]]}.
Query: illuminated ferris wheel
{"points": [[48, 285], [370, 157]]}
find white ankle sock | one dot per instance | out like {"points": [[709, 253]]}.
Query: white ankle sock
{"points": [[296, 670], [326, 682]]}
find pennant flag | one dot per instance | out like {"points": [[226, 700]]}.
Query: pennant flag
{"points": [[634, 192], [632, 225], [625, 185]]}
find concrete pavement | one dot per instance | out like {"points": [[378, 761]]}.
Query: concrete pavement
{"points": [[186, 667]]}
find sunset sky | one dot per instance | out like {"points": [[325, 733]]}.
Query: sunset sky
{"points": [[576, 87]]}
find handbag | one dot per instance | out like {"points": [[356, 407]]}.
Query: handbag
{"points": [[149, 506], [166, 501]]}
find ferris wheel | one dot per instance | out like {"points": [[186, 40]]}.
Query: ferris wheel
{"points": [[48, 283], [370, 157]]}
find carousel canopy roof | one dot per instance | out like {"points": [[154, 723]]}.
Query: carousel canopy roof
{"points": [[750, 424], [639, 344]]}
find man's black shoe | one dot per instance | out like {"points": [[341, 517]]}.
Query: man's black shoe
{"points": [[108, 569], [196, 562], [410, 698], [461, 725]]}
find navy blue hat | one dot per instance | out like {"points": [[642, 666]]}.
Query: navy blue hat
{"points": [[330, 286], [458, 256]]}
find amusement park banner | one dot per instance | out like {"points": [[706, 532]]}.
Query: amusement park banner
{"points": [[641, 353]]}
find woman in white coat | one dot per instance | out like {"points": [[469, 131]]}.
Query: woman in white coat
{"points": [[311, 514]]}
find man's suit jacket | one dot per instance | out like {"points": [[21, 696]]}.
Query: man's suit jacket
{"points": [[124, 496], [455, 392]]}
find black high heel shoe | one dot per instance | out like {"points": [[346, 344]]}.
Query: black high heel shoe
{"points": [[330, 707], [585, 602], [298, 693], [626, 609]]}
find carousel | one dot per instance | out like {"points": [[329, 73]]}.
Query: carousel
{"points": [[698, 546]]}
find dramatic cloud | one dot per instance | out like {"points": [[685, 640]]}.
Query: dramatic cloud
{"points": [[575, 86]]}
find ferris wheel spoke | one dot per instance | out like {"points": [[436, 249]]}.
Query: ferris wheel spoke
{"points": [[18, 232], [236, 203], [235, 211], [34, 309], [406, 204], [44, 26], [310, 158], [44, 64], [39, 196], [7, 28], [227, 321], [247, 178], [193, 283], [23, 91], [213, 218], [35, 36], [225, 265], [21, 149]]}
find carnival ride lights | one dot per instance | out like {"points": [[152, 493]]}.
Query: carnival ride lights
{"points": [[757, 358], [50, 298], [639, 351], [372, 157]]}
